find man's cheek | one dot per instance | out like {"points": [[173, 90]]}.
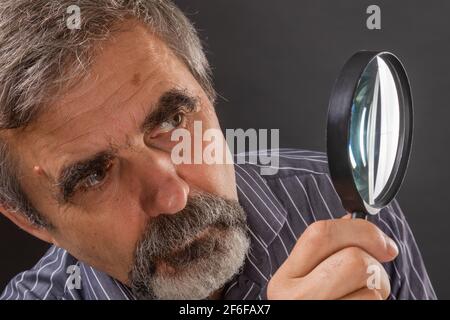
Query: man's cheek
{"points": [[106, 246]]}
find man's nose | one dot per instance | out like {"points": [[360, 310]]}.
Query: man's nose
{"points": [[163, 191]]}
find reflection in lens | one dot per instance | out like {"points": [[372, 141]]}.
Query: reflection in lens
{"points": [[374, 130]]}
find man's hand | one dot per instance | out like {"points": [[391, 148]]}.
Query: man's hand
{"points": [[331, 261]]}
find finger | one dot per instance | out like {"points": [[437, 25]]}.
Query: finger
{"points": [[343, 273], [347, 216], [323, 238], [364, 294]]}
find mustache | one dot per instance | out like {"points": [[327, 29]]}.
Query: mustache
{"points": [[176, 241], [167, 233]]}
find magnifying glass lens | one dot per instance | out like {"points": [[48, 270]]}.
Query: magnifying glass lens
{"points": [[369, 131], [375, 130]]}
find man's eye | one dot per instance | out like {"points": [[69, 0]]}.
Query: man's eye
{"points": [[172, 123], [95, 179]]}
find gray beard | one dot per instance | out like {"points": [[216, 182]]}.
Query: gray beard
{"points": [[193, 253]]}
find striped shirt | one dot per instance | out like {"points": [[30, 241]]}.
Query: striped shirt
{"points": [[279, 208]]}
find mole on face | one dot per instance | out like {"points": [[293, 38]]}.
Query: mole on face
{"points": [[39, 171], [136, 81]]}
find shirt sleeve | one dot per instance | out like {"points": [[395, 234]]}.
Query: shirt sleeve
{"points": [[408, 275]]}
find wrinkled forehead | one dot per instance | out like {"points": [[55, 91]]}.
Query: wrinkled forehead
{"points": [[128, 74]]}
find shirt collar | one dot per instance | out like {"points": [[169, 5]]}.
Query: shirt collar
{"points": [[265, 214]]}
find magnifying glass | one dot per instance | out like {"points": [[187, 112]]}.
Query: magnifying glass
{"points": [[369, 131]]}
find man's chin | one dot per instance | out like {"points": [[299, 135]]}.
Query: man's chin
{"points": [[201, 248], [202, 267], [212, 232]]}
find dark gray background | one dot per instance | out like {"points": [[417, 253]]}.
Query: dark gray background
{"points": [[275, 63]]}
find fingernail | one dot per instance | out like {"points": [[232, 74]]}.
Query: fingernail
{"points": [[392, 246]]}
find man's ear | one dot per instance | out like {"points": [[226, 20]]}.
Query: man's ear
{"points": [[25, 224]]}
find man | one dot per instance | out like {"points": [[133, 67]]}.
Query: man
{"points": [[87, 116]]}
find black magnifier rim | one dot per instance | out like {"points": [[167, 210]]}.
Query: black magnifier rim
{"points": [[338, 131]]}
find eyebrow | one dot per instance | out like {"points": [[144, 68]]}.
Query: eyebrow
{"points": [[71, 174], [169, 103]]}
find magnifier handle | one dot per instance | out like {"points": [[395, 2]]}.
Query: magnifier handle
{"points": [[359, 215]]}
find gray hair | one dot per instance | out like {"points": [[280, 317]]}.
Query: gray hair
{"points": [[40, 57], [198, 268]]}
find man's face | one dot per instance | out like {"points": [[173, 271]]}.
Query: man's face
{"points": [[98, 164]]}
